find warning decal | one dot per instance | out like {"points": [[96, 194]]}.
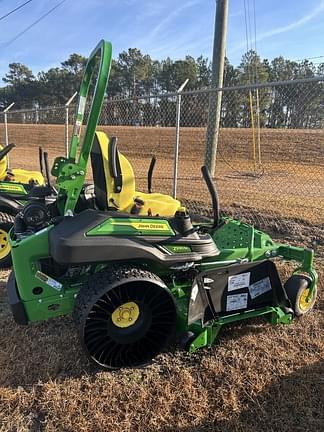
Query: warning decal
{"points": [[236, 301], [260, 287], [49, 281], [239, 281]]}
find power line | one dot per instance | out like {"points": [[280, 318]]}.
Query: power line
{"points": [[309, 58], [33, 24], [14, 10], [247, 37]]}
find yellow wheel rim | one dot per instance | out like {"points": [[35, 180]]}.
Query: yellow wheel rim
{"points": [[303, 303], [4, 244], [125, 315]]}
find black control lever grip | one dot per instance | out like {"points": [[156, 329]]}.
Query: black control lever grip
{"points": [[40, 155], [150, 174], [213, 193], [6, 150], [48, 178]]}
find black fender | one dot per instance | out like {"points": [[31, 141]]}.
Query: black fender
{"points": [[15, 303]]}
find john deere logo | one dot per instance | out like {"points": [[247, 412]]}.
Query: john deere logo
{"points": [[14, 188], [140, 226], [159, 227], [132, 226]]}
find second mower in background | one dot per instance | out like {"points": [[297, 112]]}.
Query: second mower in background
{"points": [[15, 188]]}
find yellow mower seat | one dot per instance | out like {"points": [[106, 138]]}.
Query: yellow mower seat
{"points": [[18, 175], [115, 183], [24, 176]]}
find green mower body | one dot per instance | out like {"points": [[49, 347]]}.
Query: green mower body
{"points": [[133, 282], [209, 277]]}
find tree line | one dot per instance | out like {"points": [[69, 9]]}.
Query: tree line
{"points": [[135, 74]]}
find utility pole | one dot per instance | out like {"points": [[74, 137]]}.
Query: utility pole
{"points": [[5, 114], [215, 102]]}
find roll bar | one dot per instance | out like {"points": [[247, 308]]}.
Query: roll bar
{"points": [[104, 49], [71, 171]]}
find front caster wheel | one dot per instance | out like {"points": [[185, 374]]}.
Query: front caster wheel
{"points": [[297, 289]]}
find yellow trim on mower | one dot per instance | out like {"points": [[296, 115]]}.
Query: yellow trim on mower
{"points": [[304, 302], [4, 244], [125, 315]]}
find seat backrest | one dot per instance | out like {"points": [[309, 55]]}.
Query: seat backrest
{"points": [[113, 175], [3, 166]]}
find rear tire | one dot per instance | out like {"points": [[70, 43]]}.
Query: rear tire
{"points": [[297, 287], [6, 223], [126, 316]]}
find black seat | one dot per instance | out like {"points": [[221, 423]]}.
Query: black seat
{"points": [[98, 173]]}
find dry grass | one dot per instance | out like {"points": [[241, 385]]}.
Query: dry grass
{"points": [[257, 378]]}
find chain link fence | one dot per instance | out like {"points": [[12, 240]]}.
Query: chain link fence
{"points": [[270, 155]]}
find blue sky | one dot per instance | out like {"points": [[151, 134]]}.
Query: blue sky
{"points": [[292, 28]]}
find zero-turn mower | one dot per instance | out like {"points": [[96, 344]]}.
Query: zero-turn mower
{"points": [[15, 188], [134, 281]]}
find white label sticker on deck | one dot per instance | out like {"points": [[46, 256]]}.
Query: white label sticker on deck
{"points": [[48, 280], [236, 301], [239, 281], [260, 287], [194, 291]]}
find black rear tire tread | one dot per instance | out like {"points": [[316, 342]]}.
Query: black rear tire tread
{"points": [[96, 286], [6, 223], [102, 282]]}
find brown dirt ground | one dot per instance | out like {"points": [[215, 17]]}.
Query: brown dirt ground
{"points": [[289, 185], [257, 378]]}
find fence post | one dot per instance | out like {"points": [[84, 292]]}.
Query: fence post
{"points": [[177, 142], [67, 109], [215, 102], [5, 114], [36, 115]]}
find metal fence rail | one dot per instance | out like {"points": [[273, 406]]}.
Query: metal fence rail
{"points": [[270, 156]]}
